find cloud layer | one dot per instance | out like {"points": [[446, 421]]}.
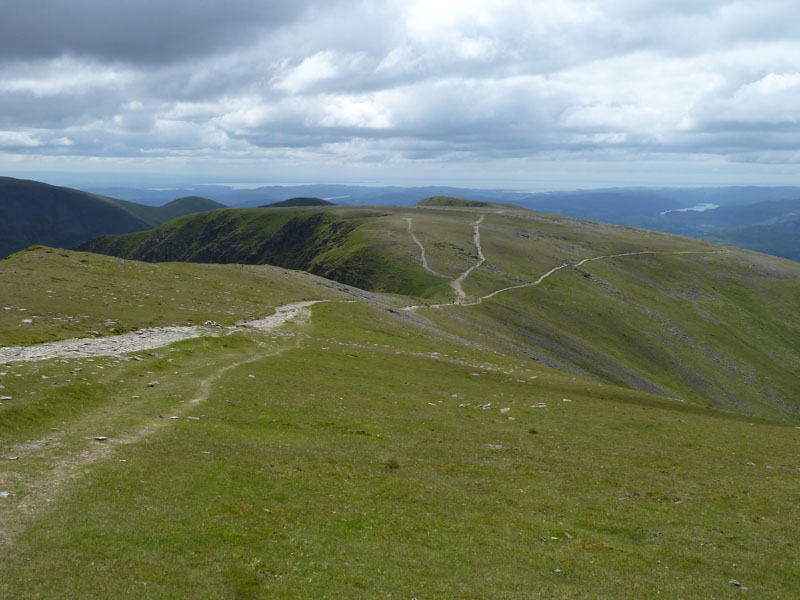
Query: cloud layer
{"points": [[402, 83]]}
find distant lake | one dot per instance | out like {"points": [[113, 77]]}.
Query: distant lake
{"points": [[696, 208]]}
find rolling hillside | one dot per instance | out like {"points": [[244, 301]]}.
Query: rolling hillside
{"points": [[344, 447], [37, 213], [653, 312]]}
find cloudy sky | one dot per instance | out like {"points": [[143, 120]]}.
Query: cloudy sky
{"points": [[543, 94]]}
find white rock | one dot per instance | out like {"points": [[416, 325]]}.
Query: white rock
{"points": [[504, 410]]}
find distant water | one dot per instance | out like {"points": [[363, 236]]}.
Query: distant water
{"points": [[697, 208]]}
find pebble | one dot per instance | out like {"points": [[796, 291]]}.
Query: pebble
{"points": [[5, 494], [504, 410], [152, 384], [100, 438], [6, 397]]}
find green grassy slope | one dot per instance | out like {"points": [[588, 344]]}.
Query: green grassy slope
{"points": [[367, 453], [687, 320], [332, 243], [36, 213]]}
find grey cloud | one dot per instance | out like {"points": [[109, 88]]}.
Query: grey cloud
{"points": [[149, 31]]}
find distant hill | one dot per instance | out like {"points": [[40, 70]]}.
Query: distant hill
{"points": [[781, 238], [300, 201], [32, 212]]}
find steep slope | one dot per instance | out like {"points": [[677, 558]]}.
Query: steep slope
{"points": [[324, 242], [37, 213], [653, 312]]}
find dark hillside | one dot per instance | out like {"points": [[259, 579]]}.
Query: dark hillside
{"points": [[37, 213], [32, 213], [781, 238]]}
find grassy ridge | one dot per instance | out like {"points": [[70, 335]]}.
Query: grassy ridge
{"points": [[69, 294], [693, 326], [328, 243]]}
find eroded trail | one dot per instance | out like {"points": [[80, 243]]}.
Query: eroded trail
{"points": [[551, 272], [73, 452], [458, 281], [585, 260], [144, 339], [424, 259]]}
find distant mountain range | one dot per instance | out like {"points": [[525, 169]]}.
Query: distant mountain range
{"points": [[764, 219], [716, 212], [37, 213]]}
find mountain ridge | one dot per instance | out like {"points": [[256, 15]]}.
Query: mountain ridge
{"points": [[32, 212]]}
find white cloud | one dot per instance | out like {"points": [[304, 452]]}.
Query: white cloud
{"points": [[359, 112], [312, 70], [12, 139]]}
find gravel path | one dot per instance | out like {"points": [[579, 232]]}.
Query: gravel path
{"points": [[549, 273], [476, 239], [425, 264], [147, 339]]}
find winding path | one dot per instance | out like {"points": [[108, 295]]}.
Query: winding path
{"points": [[585, 260], [425, 264], [456, 283], [461, 296]]}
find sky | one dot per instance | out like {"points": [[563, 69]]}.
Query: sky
{"points": [[503, 93]]}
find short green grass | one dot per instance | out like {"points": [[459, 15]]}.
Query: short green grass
{"points": [[431, 454], [77, 294], [345, 467]]}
